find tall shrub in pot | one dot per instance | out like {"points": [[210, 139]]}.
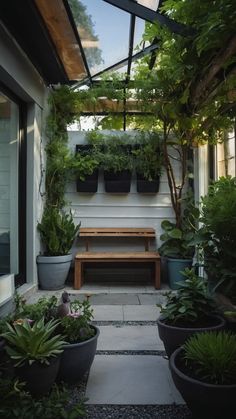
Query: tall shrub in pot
{"points": [[57, 229]]}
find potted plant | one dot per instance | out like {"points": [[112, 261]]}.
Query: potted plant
{"points": [[191, 309], [34, 352], [74, 324], [81, 338], [204, 372], [148, 163], [178, 245], [117, 163], [58, 232], [86, 169]]}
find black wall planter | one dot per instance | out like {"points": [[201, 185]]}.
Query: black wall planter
{"points": [[147, 186], [89, 184], [118, 182]]}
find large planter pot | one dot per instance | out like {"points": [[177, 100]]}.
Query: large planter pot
{"points": [[174, 268], [77, 359], [89, 184], [147, 186], [118, 182], [38, 377], [175, 336], [53, 271], [206, 401]]}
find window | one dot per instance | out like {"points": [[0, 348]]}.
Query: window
{"points": [[12, 189]]}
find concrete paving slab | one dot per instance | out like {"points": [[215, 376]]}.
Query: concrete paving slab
{"points": [[129, 289], [114, 299], [141, 313], [151, 299], [135, 338], [108, 313], [125, 379]]}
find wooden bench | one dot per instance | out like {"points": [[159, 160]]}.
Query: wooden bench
{"points": [[89, 257]]}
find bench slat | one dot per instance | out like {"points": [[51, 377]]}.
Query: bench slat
{"points": [[112, 232], [117, 255]]}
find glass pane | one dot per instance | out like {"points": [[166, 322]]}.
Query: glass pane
{"points": [[138, 33], [9, 150], [150, 4], [104, 32]]}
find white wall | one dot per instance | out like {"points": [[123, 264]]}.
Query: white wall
{"points": [[104, 209]]}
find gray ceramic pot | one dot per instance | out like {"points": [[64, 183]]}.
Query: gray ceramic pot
{"points": [[77, 359], [53, 271]]}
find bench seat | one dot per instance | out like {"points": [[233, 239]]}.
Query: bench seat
{"points": [[147, 256]]}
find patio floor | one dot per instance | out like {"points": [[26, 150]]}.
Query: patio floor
{"points": [[129, 377]]}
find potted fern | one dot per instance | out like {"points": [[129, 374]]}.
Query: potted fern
{"points": [[58, 232], [204, 372]]}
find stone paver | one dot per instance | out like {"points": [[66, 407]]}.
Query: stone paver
{"points": [[136, 338], [141, 313], [108, 312], [125, 379], [151, 299], [115, 299]]}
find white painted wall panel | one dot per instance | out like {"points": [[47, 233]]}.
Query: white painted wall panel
{"points": [[124, 210]]}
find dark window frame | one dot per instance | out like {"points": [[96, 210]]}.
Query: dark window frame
{"points": [[20, 278]]}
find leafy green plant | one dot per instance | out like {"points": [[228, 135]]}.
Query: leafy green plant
{"points": [[17, 403], [76, 325], [44, 308], [191, 304], [212, 356], [57, 231], [179, 242], [148, 156], [30, 343], [217, 237]]}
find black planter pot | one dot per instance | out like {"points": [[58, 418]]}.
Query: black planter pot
{"points": [[38, 377], [118, 182], [174, 336], [77, 359], [147, 186], [89, 184], [206, 401]]}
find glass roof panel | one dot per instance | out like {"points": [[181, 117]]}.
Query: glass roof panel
{"points": [[150, 4], [138, 33], [104, 32]]}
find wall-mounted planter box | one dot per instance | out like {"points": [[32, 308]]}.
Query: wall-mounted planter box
{"points": [[118, 182], [147, 186], [89, 184]]}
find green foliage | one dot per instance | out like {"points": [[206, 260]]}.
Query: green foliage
{"points": [[17, 403], [191, 303], [112, 151], [44, 308], [76, 326], [212, 357], [217, 237], [30, 343], [57, 231], [179, 242], [148, 155]]}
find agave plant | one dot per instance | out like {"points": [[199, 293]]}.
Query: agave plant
{"points": [[212, 355], [28, 342]]}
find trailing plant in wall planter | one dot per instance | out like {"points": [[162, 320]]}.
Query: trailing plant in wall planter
{"points": [[57, 229], [148, 162], [87, 169], [113, 153]]}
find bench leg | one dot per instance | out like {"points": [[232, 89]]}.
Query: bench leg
{"points": [[78, 275], [157, 278]]}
